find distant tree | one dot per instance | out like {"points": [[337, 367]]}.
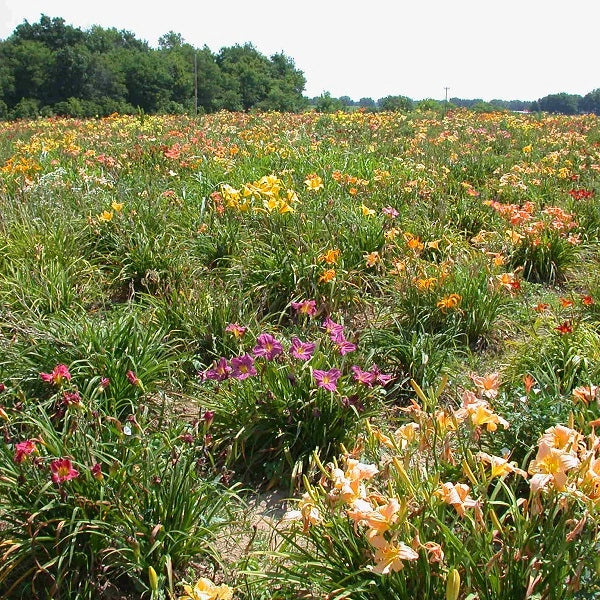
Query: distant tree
{"points": [[52, 33], [482, 106], [347, 101], [430, 104], [287, 84], [53, 68], [566, 104], [396, 103], [170, 41], [367, 103], [31, 64], [147, 79], [249, 69], [325, 103], [590, 103]]}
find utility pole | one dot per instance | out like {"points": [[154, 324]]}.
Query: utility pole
{"points": [[195, 83], [446, 102]]}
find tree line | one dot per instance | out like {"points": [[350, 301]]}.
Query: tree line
{"points": [[52, 68]]}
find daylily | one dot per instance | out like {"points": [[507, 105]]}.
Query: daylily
{"points": [[62, 470], [302, 350], [327, 379], [59, 373], [205, 589], [389, 555], [267, 346], [550, 465], [242, 367], [500, 466], [457, 495]]}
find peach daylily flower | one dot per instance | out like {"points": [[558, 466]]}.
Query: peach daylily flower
{"points": [[586, 393], [487, 385], [457, 495], [563, 438], [550, 466], [389, 555]]}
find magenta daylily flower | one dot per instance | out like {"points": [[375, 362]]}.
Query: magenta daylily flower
{"points": [[380, 378], [59, 373], [365, 377], [390, 211], [306, 307], [133, 378], [332, 328], [242, 367], [220, 372], [327, 379], [236, 330], [302, 350], [24, 449], [62, 470], [267, 346], [342, 344]]}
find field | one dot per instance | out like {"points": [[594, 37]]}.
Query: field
{"points": [[391, 319]]}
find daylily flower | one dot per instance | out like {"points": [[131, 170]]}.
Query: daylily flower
{"points": [[327, 379], [500, 466], [343, 345], [550, 465], [242, 367], [72, 399], [487, 385], [365, 377], [205, 589], [267, 346], [586, 394], [332, 328], [457, 495], [306, 307], [330, 257], [380, 378], [236, 330], [307, 511], [313, 182], [389, 555], [96, 471], [449, 302], [62, 470], [23, 450], [302, 350], [58, 375], [327, 276], [220, 372]]}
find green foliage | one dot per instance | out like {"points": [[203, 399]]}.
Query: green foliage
{"points": [[139, 497], [63, 70]]}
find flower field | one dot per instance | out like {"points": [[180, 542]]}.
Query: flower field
{"points": [[391, 319]]}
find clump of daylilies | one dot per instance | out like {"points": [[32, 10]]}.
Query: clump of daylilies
{"points": [[279, 399], [399, 515]]}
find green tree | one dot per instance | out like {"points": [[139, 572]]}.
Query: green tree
{"points": [[566, 104], [395, 103], [326, 104], [590, 103]]}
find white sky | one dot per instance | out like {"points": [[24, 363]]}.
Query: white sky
{"points": [[508, 49]]}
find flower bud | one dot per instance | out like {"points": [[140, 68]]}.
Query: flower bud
{"points": [[153, 579], [452, 584]]}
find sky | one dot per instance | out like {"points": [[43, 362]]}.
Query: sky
{"points": [[507, 49]]}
